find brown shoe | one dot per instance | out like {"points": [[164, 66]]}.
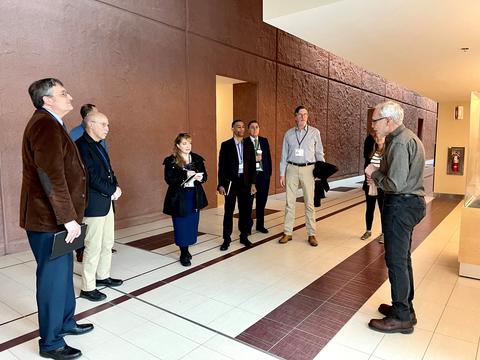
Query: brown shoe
{"points": [[387, 310], [312, 241], [285, 238], [390, 325]]}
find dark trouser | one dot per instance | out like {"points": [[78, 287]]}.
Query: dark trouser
{"points": [[399, 217], [371, 200], [55, 294], [241, 191], [262, 184]]}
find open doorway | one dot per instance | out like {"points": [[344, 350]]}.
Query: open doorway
{"points": [[235, 99], [420, 128]]}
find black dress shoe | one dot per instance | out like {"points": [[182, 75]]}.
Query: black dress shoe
{"points": [[65, 352], [262, 230], [185, 261], [109, 282], [93, 295], [225, 245], [78, 329], [247, 243], [387, 310], [189, 256]]}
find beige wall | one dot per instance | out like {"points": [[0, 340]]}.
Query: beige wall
{"points": [[450, 132], [224, 109]]}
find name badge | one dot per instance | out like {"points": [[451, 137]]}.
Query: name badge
{"points": [[299, 152], [240, 168]]}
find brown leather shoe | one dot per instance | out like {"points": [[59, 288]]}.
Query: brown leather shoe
{"points": [[312, 241], [285, 238], [386, 310], [390, 325]]}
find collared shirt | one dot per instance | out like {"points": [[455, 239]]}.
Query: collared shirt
{"points": [[307, 140], [57, 117], [239, 146], [402, 165], [77, 132]]}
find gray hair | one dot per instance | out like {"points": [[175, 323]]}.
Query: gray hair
{"points": [[41, 88], [392, 110]]}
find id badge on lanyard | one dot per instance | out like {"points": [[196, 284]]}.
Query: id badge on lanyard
{"points": [[299, 152]]}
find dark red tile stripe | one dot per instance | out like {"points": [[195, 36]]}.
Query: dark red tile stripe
{"points": [[334, 298], [254, 213], [156, 241]]}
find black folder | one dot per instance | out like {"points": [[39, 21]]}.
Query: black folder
{"points": [[60, 247]]}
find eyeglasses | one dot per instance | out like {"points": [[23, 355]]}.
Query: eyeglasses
{"points": [[63, 93], [375, 120], [105, 125]]}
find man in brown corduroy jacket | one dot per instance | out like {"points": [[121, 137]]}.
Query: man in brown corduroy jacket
{"points": [[53, 198]]}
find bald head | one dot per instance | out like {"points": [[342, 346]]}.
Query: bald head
{"points": [[97, 125]]}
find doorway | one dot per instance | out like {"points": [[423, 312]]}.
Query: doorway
{"points": [[235, 99]]}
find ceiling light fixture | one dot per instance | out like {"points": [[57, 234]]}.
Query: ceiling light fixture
{"points": [[464, 49]]}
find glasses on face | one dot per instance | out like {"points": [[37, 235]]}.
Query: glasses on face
{"points": [[63, 93], [105, 125], [302, 115], [375, 120]]}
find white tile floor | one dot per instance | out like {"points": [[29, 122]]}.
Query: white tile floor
{"points": [[197, 317]]}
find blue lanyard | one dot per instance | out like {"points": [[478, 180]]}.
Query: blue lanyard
{"points": [[240, 152]]}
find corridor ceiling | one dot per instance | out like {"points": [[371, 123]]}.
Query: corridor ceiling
{"points": [[415, 43]]}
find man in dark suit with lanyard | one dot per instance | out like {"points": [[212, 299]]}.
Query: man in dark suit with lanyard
{"points": [[53, 198], [236, 179], [263, 169]]}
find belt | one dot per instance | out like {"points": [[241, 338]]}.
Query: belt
{"points": [[403, 195], [301, 165]]}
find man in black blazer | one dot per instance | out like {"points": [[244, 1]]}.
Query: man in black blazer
{"points": [[263, 169], [99, 214], [236, 179]]}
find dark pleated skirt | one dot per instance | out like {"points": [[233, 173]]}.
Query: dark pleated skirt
{"points": [[185, 228]]}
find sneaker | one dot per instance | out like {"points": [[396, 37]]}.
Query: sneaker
{"points": [[381, 238], [366, 235]]}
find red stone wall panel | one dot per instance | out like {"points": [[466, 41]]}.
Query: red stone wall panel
{"points": [[431, 105], [394, 91], [410, 119], [429, 134], [368, 101], [232, 22], [373, 83], [409, 97], [245, 102], [171, 12], [345, 71], [301, 54], [343, 128], [131, 67], [295, 87]]}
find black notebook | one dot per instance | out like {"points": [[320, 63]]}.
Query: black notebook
{"points": [[60, 247]]}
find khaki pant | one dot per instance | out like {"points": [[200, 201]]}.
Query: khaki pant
{"points": [[97, 257], [303, 176]]}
